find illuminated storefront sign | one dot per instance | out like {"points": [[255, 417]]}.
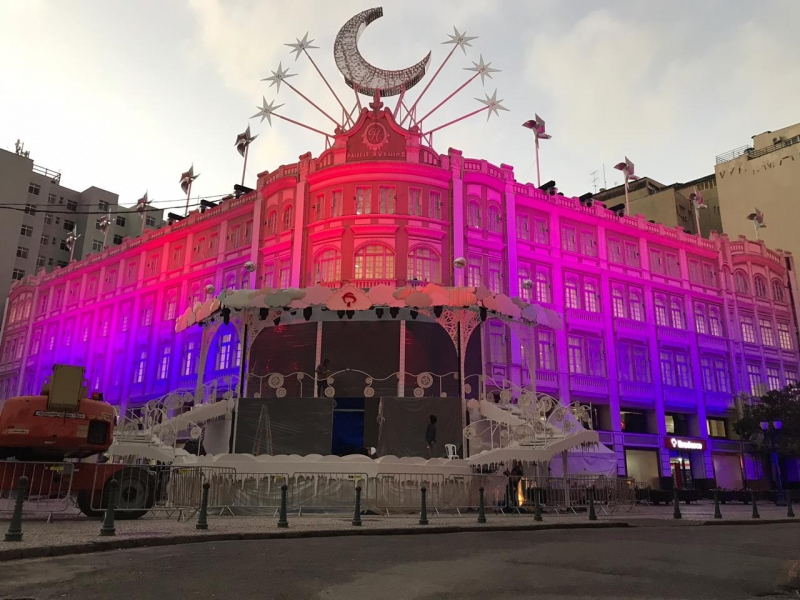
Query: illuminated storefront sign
{"points": [[674, 443]]}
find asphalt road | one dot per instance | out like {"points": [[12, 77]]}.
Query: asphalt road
{"points": [[660, 562]]}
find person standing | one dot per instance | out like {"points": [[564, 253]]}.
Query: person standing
{"points": [[430, 436], [323, 372]]}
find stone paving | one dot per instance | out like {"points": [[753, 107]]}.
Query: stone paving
{"points": [[70, 530]]}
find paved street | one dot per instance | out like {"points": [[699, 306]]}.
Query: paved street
{"points": [[653, 562]]}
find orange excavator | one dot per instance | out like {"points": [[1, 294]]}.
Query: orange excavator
{"points": [[49, 438]]}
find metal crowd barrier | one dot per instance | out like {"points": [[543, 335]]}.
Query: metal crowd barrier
{"points": [[463, 492], [49, 486], [315, 491], [245, 493], [402, 491], [607, 494]]}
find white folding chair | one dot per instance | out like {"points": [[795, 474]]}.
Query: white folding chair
{"points": [[451, 451]]}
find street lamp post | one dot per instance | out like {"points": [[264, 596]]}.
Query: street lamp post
{"points": [[771, 430]]}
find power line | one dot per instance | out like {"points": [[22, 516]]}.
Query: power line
{"points": [[92, 212], [180, 202]]}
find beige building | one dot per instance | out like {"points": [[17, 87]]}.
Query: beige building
{"points": [[766, 176], [668, 204]]}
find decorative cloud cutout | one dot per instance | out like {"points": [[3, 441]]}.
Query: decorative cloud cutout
{"points": [[314, 296], [439, 295], [418, 300], [277, 299], [349, 298], [384, 295], [461, 296], [482, 292]]}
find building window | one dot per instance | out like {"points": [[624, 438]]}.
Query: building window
{"points": [[656, 261], [777, 290], [284, 274], [141, 367], [790, 376], [48, 219], [374, 261], [17, 274], [329, 266], [363, 201], [618, 303], [435, 205], [22, 252], [541, 233], [497, 342], [590, 302], [709, 275], [633, 362], [72, 205], [545, 346], [170, 308], [785, 336], [673, 265], [760, 286], [635, 305], [722, 378], [569, 241], [700, 318], [117, 239], [661, 311], [754, 380], [675, 370], [224, 353], [474, 214], [614, 249], [588, 243], [272, 223], [69, 225], [474, 271], [123, 324], [632, 254], [103, 205], [26, 230], [189, 365], [716, 428], [287, 218], [767, 334], [714, 321], [336, 204], [571, 293], [150, 221], [523, 227], [30, 209], [424, 265], [97, 245], [707, 373], [748, 330], [51, 198], [120, 221], [773, 378], [740, 281], [524, 274], [163, 363], [543, 289], [676, 312], [34, 189], [495, 223], [386, 200], [495, 276], [585, 356], [40, 261], [319, 207]]}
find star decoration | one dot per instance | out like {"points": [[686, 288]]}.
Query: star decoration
{"points": [[493, 104], [460, 39], [143, 204], [482, 68], [243, 140], [278, 76], [266, 110], [301, 45]]}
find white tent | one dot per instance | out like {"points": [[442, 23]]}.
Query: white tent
{"points": [[596, 459]]}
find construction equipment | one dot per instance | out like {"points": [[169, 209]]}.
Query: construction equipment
{"points": [[64, 427]]}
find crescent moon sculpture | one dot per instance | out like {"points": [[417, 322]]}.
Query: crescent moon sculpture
{"points": [[359, 74]]}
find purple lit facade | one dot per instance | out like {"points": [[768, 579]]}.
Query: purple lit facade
{"points": [[664, 332]]}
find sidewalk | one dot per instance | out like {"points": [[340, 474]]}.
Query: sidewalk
{"points": [[71, 534]]}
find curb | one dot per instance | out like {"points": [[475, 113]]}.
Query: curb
{"points": [[144, 542], [751, 522]]}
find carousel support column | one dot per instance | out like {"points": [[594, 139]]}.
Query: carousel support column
{"points": [[401, 375], [205, 345], [565, 474], [317, 357], [462, 392], [482, 382]]}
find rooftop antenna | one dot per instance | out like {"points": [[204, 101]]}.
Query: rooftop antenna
{"points": [[593, 175], [605, 185]]}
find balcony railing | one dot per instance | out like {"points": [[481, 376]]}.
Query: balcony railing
{"points": [[670, 334], [678, 395], [585, 316], [636, 389], [710, 341], [630, 325], [719, 400], [588, 384], [752, 153]]}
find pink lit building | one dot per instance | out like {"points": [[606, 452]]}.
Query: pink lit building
{"points": [[666, 333]]}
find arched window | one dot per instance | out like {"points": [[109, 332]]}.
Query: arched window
{"points": [[329, 266], [571, 296], [495, 223], [230, 281], [714, 321], [590, 296], [374, 261], [740, 280], [424, 265], [272, 223], [287, 218], [170, 306], [777, 290], [661, 311], [760, 286], [676, 312], [474, 214], [635, 305], [700, 318], [618, 303], [524, 274], [543, 286]]}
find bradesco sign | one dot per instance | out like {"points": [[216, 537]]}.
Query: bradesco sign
{"points": [[674, 443]]}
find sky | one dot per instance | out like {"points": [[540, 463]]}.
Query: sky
{"points": [[126, 96]]}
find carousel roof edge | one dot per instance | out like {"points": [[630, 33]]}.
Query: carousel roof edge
{"points": [[352, 298]]}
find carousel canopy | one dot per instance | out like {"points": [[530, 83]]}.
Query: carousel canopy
{"points": [[352, 298]]}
